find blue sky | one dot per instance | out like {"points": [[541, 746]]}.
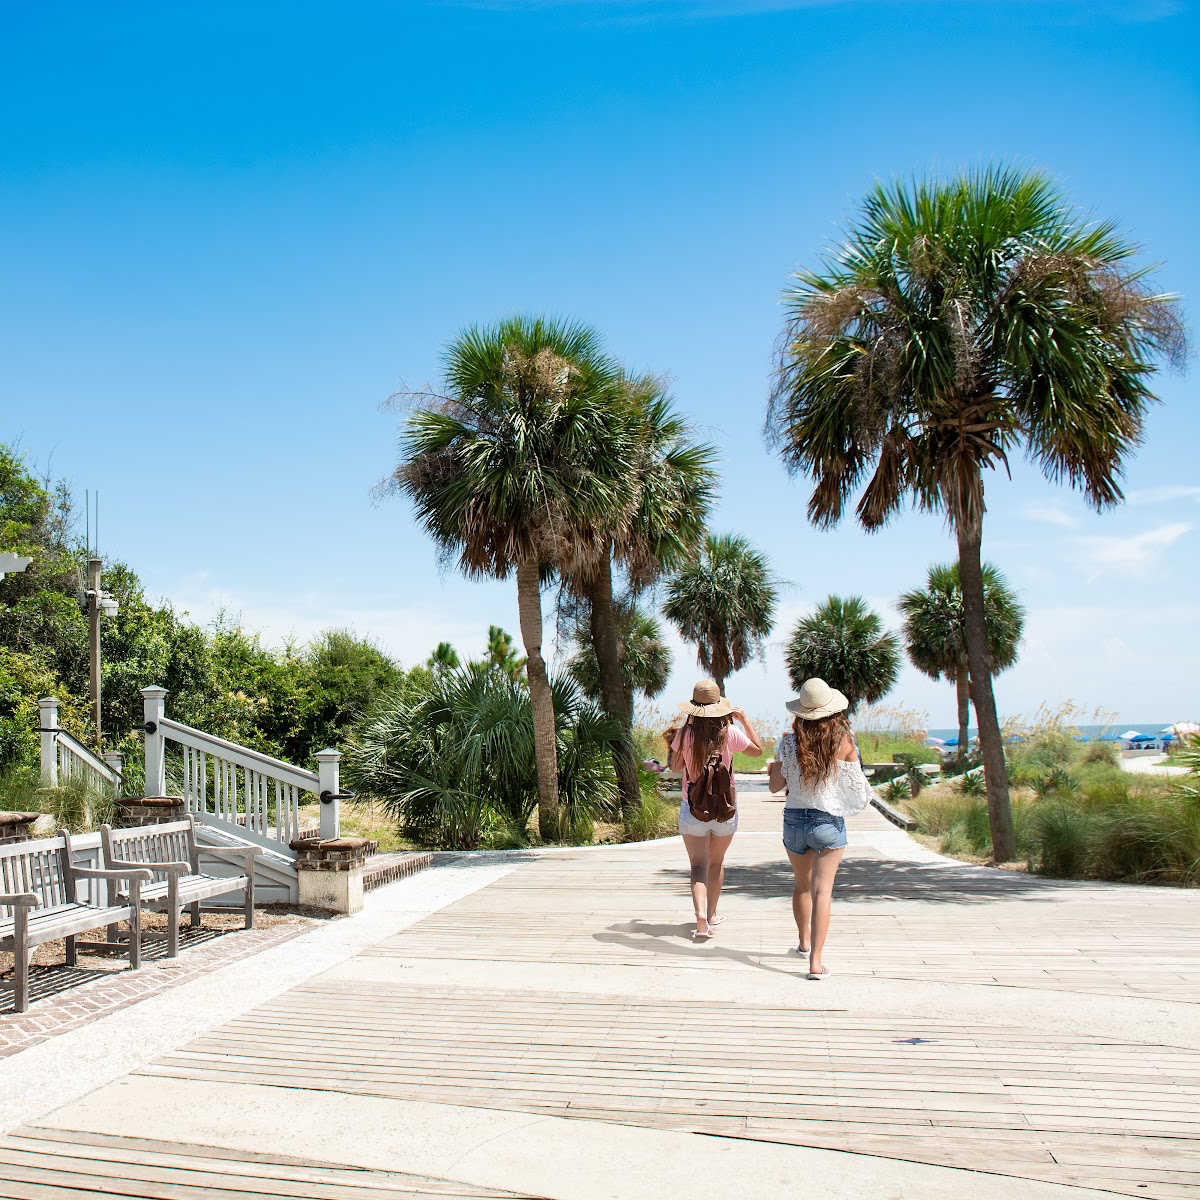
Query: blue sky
{"points": [[230, 231]]}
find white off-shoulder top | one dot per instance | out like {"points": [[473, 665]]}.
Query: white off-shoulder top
{"points": [[844, 792]]}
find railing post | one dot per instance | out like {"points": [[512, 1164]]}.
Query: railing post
{"points": [[48, 720], [328, 782], [116, 764], [154, 707]]}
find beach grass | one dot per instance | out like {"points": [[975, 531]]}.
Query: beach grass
{"points": [[1076, 815]]}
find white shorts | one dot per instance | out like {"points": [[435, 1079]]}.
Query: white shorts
{"points": [[689, 825]]}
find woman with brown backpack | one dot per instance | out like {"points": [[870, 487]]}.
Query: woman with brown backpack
{"points": [[703, 751], [818, 765]]}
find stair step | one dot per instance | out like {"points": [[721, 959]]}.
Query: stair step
{"points": [[399, 864]]}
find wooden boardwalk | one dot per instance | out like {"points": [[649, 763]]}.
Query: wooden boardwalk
{"points": [[975, 1020]]}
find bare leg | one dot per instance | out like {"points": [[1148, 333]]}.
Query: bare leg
{"points": [[802, 865], [822, 899], [697, 851], [718, 847]]}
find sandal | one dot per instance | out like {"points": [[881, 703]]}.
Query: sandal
{"points": [[714, 920], [701, 935], [818, 974]]}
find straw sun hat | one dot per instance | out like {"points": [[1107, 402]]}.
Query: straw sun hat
{"points": [[816, 700], [706, 701]]}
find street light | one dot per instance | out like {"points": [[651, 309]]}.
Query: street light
{"points": [[95, 602]]}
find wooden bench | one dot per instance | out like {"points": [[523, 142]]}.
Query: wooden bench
{"points": [[171, 852], [39, 902]]}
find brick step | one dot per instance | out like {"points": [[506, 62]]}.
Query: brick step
{"points": [[398, 864]]}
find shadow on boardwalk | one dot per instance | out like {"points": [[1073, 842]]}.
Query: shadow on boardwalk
{"points": [[887, 879]]}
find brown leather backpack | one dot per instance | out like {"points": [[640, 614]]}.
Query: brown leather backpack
{"points": [[710, 796]]}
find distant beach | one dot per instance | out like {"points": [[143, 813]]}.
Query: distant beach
{"points": [[1088, 731]]}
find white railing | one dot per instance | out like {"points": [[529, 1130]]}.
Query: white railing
{"points": [[248, 792], [66, 759]]}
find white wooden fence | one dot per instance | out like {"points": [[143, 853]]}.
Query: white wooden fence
{"points": [[65, 759]]}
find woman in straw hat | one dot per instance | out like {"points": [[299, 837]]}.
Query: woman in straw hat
{"points": [[818, 765], [703, 751]]}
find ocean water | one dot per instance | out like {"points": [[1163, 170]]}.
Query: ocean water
{"points": [[1088, 731]]}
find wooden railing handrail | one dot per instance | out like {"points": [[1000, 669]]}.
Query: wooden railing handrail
{"points": [[241, 756], [81, 751]]}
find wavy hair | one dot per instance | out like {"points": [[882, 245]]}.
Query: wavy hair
{"points": [[708, 734], [817, 746]]}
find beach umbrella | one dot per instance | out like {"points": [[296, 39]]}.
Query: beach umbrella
{"points": [[1183, 728], [932, 741], [1130, 733]]}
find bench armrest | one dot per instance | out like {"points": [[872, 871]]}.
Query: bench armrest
{"points": [[21, 899], [140, 873], [168, 868]]}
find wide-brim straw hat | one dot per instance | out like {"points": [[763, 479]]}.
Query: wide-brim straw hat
{"points": [[816, 700], [706, 701]]}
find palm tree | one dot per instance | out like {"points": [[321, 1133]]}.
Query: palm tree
{"points": [[845, 644], [518, 468], [673, 481], [724, 601], [645, 658], [444, 658], [963, 322], [502, 654], [935, 634]]}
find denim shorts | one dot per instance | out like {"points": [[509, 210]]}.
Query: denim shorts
{"points": [[806, 829]]}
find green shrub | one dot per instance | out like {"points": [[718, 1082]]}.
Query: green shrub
{"points": [[896, 791], [450, 755], [1101, 752], [19, 785], [973, 784], [655, 818], [75, 806], [977, 827], [1064, 832], [938, 810], [1057, 781]]}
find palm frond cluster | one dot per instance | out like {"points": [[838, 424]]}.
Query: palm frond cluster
{"points": [[450, 755], [959, 323], [724, 601]]}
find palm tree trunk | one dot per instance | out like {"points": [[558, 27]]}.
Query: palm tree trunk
{"points": [[991, 744], [720, 667], [602, 621], [529, 606], [964, 709]]}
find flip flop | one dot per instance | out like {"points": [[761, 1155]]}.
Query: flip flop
{"points": [[701, 935], [715, 921], [818, 974]]}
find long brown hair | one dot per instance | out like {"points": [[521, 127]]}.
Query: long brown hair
{"points": [[708, 734], [817, 746]]}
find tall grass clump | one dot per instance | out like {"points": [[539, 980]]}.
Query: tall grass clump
{"points": [[19, 787], [73, 805], [450, 756], [887, 733], [1077, 815]]}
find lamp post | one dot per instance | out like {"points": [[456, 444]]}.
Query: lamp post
{"points": [[96, 602]]}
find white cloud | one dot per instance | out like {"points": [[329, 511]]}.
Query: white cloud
{"points": [[1134, 554], [1164, 494], [1050, 514]]}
